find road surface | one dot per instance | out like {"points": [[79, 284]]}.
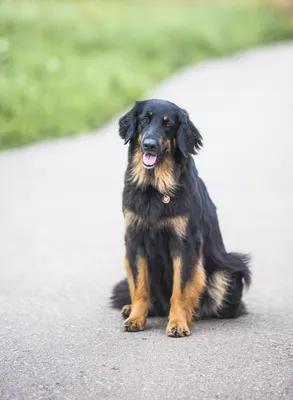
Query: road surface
{"points": [[61, 235]]}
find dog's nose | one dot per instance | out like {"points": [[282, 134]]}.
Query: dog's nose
{"points": [[149, 145]]}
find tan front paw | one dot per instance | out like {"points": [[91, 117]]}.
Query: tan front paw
{"points": [[126, 310], [177, 329], [134, 324]]}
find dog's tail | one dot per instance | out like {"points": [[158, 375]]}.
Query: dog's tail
{"points": [[239, 263], [239, 267], [120, 295]]}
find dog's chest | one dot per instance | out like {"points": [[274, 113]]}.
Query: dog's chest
{"points": [[152, 206], [150, 212], [137, 223]]}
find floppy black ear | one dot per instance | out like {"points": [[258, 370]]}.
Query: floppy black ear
{"points": [[127, 124], [189, 140]]}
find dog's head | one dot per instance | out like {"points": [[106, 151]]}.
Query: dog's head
{"points": [[158, 128]]}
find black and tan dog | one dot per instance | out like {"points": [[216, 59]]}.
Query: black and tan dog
{"points": [[175, 260]]}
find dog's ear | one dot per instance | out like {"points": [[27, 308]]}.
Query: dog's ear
{"points": [[189, 140], [127, 124]]}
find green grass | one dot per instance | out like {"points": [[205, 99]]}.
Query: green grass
{"points": [[66, 67]]}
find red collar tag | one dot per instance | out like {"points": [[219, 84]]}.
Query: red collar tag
{"points": [[166, 199]]}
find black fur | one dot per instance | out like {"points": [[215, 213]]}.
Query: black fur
{"points": [[190, 197]]}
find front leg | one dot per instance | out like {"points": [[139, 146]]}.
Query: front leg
{"points": [[185, 296], [138, 281]]}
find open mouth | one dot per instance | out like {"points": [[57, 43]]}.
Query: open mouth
{"points": [[149, 160]]}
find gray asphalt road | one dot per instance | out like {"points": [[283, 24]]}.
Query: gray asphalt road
{"points": [[61, 235]]}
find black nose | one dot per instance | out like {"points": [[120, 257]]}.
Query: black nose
{"points": [[149, 145]]}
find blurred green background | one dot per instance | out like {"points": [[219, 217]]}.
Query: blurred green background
{"points": [[66, 67]]}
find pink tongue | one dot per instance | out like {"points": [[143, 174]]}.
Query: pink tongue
{"points": [[149, 159]]}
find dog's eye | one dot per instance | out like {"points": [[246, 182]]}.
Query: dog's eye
{"points": [[168, 124], [145, 120]]}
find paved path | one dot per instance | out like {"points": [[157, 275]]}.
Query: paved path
{"points": [[61, 235]]}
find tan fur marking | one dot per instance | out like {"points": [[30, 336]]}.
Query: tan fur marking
{"points": [[150, 113], [129, 277], [177, 325], [168, 146], [165, 118], [139, 297], [217, 287], [183, 303], [129, 217], [178, 224], [176, 277], [163, 178], [138, 173], [194, 289]]}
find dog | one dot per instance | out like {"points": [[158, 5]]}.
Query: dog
{"points": [[175, 259]]}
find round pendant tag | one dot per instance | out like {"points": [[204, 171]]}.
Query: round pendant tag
{"points": [[166, 199]]}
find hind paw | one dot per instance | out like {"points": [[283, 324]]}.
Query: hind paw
{"points": [[126, 310]]}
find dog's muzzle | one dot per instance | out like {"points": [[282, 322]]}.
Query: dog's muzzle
{"points": [[150, 149]]}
